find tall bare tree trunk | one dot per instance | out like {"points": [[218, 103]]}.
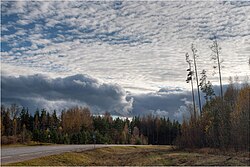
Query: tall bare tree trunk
{"points": [[218, 60], [193, 98], [216, 57], [190, 78], [195, 68]]}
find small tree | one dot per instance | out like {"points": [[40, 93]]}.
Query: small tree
{"points": [[206, 86], [231, 93], [14, 114]]}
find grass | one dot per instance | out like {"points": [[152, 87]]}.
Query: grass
{"points": [[24, 145], [138, 156]]}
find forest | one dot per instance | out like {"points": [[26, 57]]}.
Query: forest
{"points": [[223, 123], [78, 126]]}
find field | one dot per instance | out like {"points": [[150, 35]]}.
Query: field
{"points": [[141, 156]]}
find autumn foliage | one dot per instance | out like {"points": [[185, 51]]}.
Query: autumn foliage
{"points": [[223, 124], [78, 126]]}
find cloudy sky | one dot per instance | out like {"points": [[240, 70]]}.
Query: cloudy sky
{"points": [[124, 57]]}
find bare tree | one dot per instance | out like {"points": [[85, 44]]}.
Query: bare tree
{"points": [[216, 51], [195, 55], [190, 78]]}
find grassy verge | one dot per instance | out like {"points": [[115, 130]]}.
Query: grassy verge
{"points": [[28, 144], [138, 156]]}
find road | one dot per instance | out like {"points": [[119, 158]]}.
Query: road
{"points": [[17, 154]]}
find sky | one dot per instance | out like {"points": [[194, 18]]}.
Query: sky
{"points": [[124, 57]]}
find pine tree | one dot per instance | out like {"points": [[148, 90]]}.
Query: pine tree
{"points": [[206, 86], [36, 120]]}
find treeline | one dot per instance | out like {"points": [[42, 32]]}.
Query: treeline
{"points": [[78, 126], [223, 121]]}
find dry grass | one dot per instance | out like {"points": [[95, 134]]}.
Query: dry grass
{"points": [[25, 145], [138, 156]]}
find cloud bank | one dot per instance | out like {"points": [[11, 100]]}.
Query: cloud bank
{"points": [[40, 91]]}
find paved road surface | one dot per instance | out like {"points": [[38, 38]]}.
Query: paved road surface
{"points": [[17, 154]]}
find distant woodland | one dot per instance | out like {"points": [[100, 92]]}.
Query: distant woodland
{"points": [[78, 126]]}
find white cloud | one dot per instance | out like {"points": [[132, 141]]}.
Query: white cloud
{"points": [[23, 22], [162, 113], [182, 113]]}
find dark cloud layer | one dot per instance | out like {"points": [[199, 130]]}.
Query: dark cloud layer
{"points": [[40, 91], [158, 104]]}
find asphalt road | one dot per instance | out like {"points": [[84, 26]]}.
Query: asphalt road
{"points": [[17, 154]]}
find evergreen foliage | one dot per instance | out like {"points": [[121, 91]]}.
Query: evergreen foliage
{"points": [[77, 126]]}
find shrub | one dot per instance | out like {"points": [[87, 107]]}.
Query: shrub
{"points": [[9, 140]]}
